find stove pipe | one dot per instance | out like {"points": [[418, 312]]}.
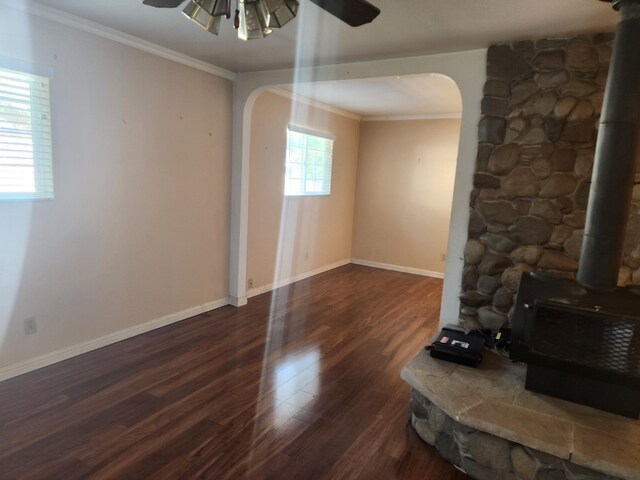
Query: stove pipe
{"points": [[616, 153]]}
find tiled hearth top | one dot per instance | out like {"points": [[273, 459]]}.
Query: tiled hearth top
{"points": [[492, 398]]}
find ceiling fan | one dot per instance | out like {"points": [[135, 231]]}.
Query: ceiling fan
{"points": [[256, 18]]}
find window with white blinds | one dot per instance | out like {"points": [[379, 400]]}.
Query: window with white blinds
{"points": [[308, 162], [25, 136]]}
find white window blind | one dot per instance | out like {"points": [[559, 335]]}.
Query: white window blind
{"points": [[308, 162], [25, 136]]}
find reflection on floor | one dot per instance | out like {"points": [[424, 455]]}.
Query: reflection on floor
{"points": [[302, 383]]}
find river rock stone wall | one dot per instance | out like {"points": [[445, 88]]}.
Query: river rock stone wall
{"points": [[541, 107], [486, 457]]}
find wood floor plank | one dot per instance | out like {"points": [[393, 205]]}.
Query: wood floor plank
{"points": [[302, 383]]}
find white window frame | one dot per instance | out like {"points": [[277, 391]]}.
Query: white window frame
{"points": [[40, 134], [328, 164]]}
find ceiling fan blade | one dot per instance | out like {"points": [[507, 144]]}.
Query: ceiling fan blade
{"points": [[163, 3], [353, 12]]}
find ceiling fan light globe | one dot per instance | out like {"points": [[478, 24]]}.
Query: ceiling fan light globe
{"points": [[207, 5], [189, 9], [282, 12], [222, 8], [201, 17], [254, 19]]}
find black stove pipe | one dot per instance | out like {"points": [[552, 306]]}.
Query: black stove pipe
{"points": [[616, 152]]}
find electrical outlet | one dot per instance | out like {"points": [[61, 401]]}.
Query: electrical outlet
{"points": [[250, 283], [306, 256], [30, 326], [443, 257]]}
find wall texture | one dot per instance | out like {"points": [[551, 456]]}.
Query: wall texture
{"points": [[290, 236], [541, 106], [139, 226], [467, 69], [406, 171]]}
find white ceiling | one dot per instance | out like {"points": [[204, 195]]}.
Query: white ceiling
{"points": [[430, 95], [404, 28]]}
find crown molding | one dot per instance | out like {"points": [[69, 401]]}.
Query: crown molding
{"points": [[313, 103], [79, 23], [396, 118]]}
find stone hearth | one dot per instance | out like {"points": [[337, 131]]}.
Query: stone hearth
{"points": [[484, 421]]}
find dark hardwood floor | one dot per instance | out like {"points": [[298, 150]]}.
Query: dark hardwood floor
{"points": [[300, 384]]}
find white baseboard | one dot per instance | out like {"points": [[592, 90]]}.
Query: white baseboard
{"points": [[238, 301], [287, 281], [26, 366], [30, 365], [398, 268]]}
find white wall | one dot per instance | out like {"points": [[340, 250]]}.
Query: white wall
{"points": [[292, 236], [133, 150], [467, 69], [406, 171], [139, 227]]}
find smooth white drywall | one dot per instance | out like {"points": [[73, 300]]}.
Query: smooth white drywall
{"points": [[293, 235], [467, 69], [139, 226], [406, 170]]}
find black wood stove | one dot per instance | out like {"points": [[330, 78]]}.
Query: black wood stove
{"points": [[581, 340], [580, 345]]}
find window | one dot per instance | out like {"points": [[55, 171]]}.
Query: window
{"points": [[25, 136], [308, 165]]}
